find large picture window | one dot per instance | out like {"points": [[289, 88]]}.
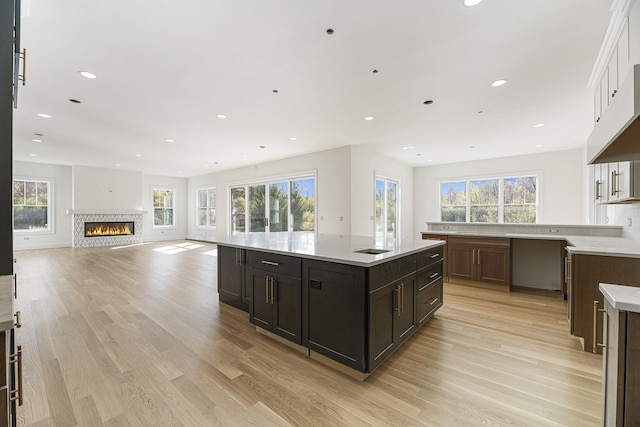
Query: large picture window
{"points": [[511, 199], [207, 207], [283, 205], [31, 205], [386, 210], [163, 207]]}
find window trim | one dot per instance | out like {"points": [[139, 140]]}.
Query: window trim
{"points": [[50, 205], [197, 219], [173, 208], [467, 179]]}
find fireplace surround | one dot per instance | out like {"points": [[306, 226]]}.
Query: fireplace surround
{"points": [[117, 229]]}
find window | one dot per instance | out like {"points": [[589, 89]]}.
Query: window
{"points": [[163, 206], [207, 207], [512, 200], [386, 218], [283, 205], [31, 205]]}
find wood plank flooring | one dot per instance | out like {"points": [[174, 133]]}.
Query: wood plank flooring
{"points": [[135, 336]]}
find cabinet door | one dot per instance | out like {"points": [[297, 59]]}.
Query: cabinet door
{"points": [[229, 272], [604, 93], [493, 265], [382, 311], [623, 180], [613, 75], [405, 322], [623, 53], [597, 105], [613, 367], [461, 261], [601, 182], [260, 307], [287, 308]]}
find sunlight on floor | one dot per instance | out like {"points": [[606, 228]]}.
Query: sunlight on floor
{"points": [[181, 247]]}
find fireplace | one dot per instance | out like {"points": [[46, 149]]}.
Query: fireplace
{"points": [[109, 228], [92, 229]]}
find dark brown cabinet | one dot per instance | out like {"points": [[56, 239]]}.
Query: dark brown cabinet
{"points": [[586, 273], [231, 277], [481, 261], [621, 363], [445, 238], [275, 294]]}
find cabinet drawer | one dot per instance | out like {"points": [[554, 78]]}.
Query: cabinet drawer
{"points": [[429, 257], [428, 276], [428, 301], [382, 274], [275, 263]]}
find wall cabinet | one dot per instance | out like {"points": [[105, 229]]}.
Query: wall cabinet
{"points": [[586, 273], [275, 294], [483, 261], [616, 182], [621, 368], [231, 277]]}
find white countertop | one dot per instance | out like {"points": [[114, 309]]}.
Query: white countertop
{"points": [[327, 247], [579, 244], [625, 298]]}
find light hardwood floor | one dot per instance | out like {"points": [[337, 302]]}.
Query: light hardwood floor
{"points": [[135, 336]]}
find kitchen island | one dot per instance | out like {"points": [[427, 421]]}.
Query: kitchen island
{"points": [[348, 301]]}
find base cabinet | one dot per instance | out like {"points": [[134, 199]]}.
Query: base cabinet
{"points": [[10, 378], [621, 368], [445, 264], [480, 260]]}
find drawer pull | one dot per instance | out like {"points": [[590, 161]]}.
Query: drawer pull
{"points": [[433, 301], [18, 323], [266, 289], [17, 358], [275, 264], [433, 275], [595, 342], [434, 256]]}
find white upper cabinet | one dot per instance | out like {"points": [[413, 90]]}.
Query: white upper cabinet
{"points": [[624, 181], [623, 53], [601, 183]]}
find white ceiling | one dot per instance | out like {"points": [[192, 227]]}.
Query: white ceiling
{"points": [[167, 68]]}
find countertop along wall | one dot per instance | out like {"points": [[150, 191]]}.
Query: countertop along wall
{"points": [[564, 177]]}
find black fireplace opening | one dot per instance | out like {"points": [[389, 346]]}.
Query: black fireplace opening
{"points": [[109, 228]]}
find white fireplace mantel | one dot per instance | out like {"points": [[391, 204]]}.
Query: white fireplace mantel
{"points": [[105, 212]]}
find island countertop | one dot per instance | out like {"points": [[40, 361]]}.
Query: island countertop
{"points": [[328, 247]]}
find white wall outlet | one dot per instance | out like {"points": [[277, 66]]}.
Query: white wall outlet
{"points": [[629, 222], [553, 230]]}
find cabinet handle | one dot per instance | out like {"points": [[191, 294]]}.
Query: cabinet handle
{"points": [[473, 256], [598, 183], [17, 359], [402, 287], [614, 93], [434, 256], [266, 289], [478, 256], [397, 307], [595, 326], [275, 264], [433, 275], [15, 286], [598, 120], [273, 294], [566, 269], [18, 323], [433, 301], [23, 77]]}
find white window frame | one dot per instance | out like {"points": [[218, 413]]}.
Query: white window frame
{"points": [[386, 179], [266, 181], [173, 207], [537, 174], [50, 205], [209, 224]]}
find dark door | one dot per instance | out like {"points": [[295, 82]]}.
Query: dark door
{"points": [[287, 307], [260, 307], [492, 265], [230, 272], [382, 311], [405, 323], [461, 261]]}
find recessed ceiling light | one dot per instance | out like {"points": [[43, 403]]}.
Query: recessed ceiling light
{"points": [[480, 112], [46, 116], [428, 102], [87, 74], [539, 146], [275, 91], [429, 160], [375, 71], [38, 134], [118, 164], [408, 147], [368, 118], [472, 146], [36, 140], [262, 146], [138, 155], [471, 3], [33, 155], [215, 163], [170, 140], [244, 155], [418, 155], [539, 125], [179, 172], [293, 138], [221, 116], [206, 166], [75, 101], [498, 83], [330, 31]]}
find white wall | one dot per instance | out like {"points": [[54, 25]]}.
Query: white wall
{"points": [[620, 215], [61, 234], [562, 188], [333, 189], [106, 189], [365, 165], [181, 218]]}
